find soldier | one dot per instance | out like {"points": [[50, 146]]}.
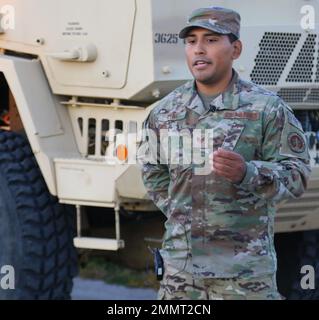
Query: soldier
{"points": [[219, 234]]}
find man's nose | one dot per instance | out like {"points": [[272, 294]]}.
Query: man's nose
{"points": [[199, 48]]}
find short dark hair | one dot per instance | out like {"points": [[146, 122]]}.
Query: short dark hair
{"points": [[232, 38]]}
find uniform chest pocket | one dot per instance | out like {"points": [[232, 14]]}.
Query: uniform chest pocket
{"points": [[244, 137], [172, 120], [237, 136], [232, 135], [174, 137]]}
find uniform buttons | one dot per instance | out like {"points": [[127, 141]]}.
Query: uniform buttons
{"points": [[213, 108]]}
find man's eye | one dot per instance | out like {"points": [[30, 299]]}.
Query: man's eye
{"points": [[190, 41], [210, 40]]}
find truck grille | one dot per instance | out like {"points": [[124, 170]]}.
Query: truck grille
{"points": [[275, 51], [302, 68], [293, 94]]}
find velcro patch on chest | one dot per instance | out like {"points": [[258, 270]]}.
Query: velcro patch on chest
{"points": [[241, 115]]}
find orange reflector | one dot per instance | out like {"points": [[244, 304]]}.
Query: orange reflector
{"points": [[121, 152]]}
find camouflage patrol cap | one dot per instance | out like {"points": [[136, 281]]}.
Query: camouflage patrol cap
{"points": [[217, 19]]}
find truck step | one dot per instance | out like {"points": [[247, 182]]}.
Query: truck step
{"points": [[98, 243]]}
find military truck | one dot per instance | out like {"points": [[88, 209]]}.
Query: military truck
{"points": [[76, 77]]}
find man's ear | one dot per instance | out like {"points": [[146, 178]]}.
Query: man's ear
{"points": [[238, 46]]}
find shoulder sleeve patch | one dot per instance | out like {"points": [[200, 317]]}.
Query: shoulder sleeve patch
{"points": [[293, 141], [296, 142], [293, 120]]}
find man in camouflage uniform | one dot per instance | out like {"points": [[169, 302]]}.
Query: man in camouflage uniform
{"points": [[219, 229]]}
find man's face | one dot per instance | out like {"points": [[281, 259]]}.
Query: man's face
{"points": [[210, 55]]}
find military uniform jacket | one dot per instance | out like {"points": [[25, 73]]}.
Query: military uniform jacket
{"points": [[216, 228]]}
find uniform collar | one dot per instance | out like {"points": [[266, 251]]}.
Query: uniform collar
{"points": [[228, 100]]}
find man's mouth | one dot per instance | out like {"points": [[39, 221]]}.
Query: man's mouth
{"points": [[201, 64]]}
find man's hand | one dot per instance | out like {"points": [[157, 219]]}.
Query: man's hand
{"points": [[228, 164]]}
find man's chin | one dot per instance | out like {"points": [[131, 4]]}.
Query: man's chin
{"points": [[205, 80]]}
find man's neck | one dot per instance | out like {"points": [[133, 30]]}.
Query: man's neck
{"points": [[213, 89]]}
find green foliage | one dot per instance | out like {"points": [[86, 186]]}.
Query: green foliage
{"points": [[112, 273]]}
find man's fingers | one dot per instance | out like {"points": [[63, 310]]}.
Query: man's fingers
{"points": [[227, 154], [222, 165], [226, 162], [215, 155]]}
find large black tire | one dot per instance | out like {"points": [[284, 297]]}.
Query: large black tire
{"points": [[36, 232], [295, 250]]}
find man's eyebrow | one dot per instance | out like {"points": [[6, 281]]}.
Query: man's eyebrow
{"points": [[212, 34]]}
